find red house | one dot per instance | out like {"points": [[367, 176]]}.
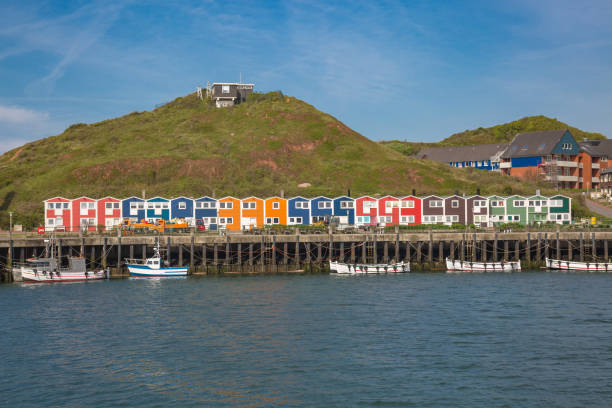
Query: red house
{"points": [[389, 210], [410, 211], [57, 214], [366, 211], [84, 214], [109, 212]]}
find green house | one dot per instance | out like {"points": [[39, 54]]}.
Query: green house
{"points": [[537, 209], [516, 209], [497, 210], [560, 209]]}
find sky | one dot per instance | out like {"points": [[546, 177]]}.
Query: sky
{"points": [[407, 70]]}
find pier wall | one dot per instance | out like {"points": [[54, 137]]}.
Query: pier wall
{"points": [[245, 253]]}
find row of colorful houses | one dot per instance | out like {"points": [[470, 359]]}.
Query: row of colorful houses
{"points": [[239, 214]]}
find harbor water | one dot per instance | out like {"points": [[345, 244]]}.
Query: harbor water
{"points": [[413, 340]]}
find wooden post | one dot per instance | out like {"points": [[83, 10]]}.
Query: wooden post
{"points": [[131, 251], [408, 254], [297, 250], [104, 243], [227, 250], [528, 247], [452, 250], [22, 255], [375, 249], [419, 252], [483, 250], [605, 243], [386, 252], [180, 255], [204, 260], [353, 252], [474, 247], [308, 259], [593, 247], [364, 251], [331, 252], [462, 249], [82, 254], [546, 245], [239, 255], [286, 253], [517, 249], [341, 257], [92, 261], [570, 250], [119, 252], [262, 259], [495, 247], [558, 247], [274, 250], [581, 248], [319, 253], [251, 254], [215, 254], [192, 251], [9, 261], [506, 250], [430, 249], [59, 252], [539, 247], [397, 253], [144, 252]]}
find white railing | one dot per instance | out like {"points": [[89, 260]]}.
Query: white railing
{"points": [[562, 178], [594, 165], [505, 165]]}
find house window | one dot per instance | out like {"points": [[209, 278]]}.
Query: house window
{"points": [[324, 204], [363, 219], [435, 203], [368, 205], [455, 203], [49, 206], [249, 205], [225, 89], [50, 221], [347, 204], [518, 203], [408, 204], [302, 204], [182, 206], [276, 205], [227, 205]]}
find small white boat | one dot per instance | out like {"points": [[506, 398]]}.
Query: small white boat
{"points": [[467, 266], [558, 264], [48, 269], [153, 266], [354, 269]]}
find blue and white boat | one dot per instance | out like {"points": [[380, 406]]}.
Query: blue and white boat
{"points": [[154, 266]]}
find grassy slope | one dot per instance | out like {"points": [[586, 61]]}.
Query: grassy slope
{"points": [[495, 134], [187, 147]]}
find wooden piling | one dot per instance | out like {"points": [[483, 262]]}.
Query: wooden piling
{"points": [[430, 249], [581, 255], [495, 247], [506, 250]]}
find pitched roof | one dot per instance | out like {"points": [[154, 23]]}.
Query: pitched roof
{"points": [[597, 148], [462, 153], [534, 143]]}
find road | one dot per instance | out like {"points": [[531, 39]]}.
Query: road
{"points": [[598, 208]]}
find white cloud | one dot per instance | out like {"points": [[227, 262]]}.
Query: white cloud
{"points": [[17, 115]]}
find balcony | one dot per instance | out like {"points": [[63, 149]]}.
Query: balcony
{"points": [[595, 179], [505, 165], [561, 163], [594, 165], [563, 178]]}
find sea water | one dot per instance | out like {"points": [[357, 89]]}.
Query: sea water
{"points": [[414, 340]]}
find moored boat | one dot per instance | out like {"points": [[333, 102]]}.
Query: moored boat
{"points": [[354, 269], [453, 265], [49, 269], [558, 264], [153, 267]]}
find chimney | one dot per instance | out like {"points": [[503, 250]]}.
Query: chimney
{"points": [[348, 192], [282, 194], [414, 192], [144, 194], [456, 192], [538, 192], [477, 191]]}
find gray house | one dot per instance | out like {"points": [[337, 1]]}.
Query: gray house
{"points": [[229, 94]]}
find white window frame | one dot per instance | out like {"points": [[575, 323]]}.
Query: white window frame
{"points": [[347, 204], [182, 205], [324, 205], [454, 203], [276, 205]]}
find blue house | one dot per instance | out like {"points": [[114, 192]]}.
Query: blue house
{"points": [[344, 208], [158, 208], [205, 212], [298, 211], [133, 208], [182, 207], [320, 207]]}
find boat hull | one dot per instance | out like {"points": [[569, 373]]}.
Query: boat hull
{"points": [[356, 269], [29, 275], [558, 264], [465, 266], [143, 270]]}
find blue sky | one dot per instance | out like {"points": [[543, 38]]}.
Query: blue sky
{"points": [[408, 70]]}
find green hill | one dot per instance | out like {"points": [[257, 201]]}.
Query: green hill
{"points": [[495, 134], [269, 144]]}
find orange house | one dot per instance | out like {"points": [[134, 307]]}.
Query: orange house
{"points": [[252, 213], [229, 213], [276, 211]]}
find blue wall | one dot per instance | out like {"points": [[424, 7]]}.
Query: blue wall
{"points": [[298, 212], [350, 212], [165, 212], [314, 207], [178, 213], [526, 161], [125, 208], [206, 212]]}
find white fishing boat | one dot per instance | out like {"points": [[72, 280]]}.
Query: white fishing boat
{"points": [[49, 268], [558, 264], [154, 266], [466, 266], [354, 269]]}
